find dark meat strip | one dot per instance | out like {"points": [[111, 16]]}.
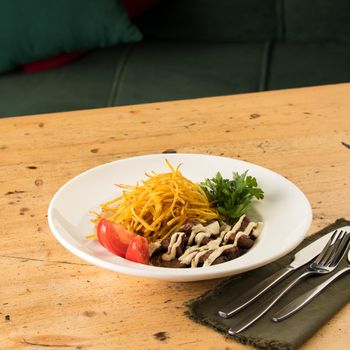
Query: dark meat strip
{"points": [[232, 253], [156, 258], [205, 241], [221, 259], [227, 255], [165, 242], [159, 251], [204, 257], [181, 248], [244, 224], [231, 239], [157, 261], [245, 242], [187, 228]]}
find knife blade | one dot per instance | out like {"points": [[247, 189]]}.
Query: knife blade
{"points": [[301, 258]]}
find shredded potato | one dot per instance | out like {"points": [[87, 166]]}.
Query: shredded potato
{"points": [[160, 206]]}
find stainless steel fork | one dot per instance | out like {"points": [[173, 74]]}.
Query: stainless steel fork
{"points": [[302, 300], [326, 262]]}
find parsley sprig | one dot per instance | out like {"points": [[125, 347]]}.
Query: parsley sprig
{"points": [[233, 197]]}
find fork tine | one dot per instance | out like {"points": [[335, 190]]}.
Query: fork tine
{"points": [[328, 257], [325, 249], [342, 249]]}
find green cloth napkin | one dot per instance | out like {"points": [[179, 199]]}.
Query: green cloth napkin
{"points": [[265, 334]]}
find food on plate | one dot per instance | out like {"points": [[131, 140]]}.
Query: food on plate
{"points": [[170, 221], [232, 197], [204, 245], [114, 237], [138, 250], [160, 206]]}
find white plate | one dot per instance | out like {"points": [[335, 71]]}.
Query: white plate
{"points": [[285, 211]]}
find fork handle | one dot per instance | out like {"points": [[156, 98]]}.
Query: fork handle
{"points": [[255, 292], [305, 298], [265, 306]]}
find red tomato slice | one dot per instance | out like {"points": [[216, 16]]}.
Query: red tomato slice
{"points": [[138, 250], [114, 237]]}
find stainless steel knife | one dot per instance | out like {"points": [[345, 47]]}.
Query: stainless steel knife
{"points": [[301, 258]]}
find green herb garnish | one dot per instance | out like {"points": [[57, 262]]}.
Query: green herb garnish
{"points": [[233, 197]]}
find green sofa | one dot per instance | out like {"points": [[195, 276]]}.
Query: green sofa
{"points": [[197, 48]]}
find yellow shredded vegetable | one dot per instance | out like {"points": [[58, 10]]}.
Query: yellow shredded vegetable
{"points": [[159, 206]]}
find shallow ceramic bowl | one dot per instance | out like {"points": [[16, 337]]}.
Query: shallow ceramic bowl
{"points": [[285, 212]]}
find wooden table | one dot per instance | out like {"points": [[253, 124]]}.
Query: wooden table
{"points": [[50, 298]]}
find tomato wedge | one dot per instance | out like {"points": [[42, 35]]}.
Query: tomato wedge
{"points": [[138, 250], [114, 237]]}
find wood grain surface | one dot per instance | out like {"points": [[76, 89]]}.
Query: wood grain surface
{"points": [[50, 298]]}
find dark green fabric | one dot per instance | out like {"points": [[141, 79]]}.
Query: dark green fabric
{"points": [[86, 83], [317, 20], [194, 48], [37, 29], [167, 70], [298, 65], [249, 20], [265, 334], [170, 70], [146, 72], [208, 20]]}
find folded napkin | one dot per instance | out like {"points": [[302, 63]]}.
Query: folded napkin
{"points": [[265, 334]]}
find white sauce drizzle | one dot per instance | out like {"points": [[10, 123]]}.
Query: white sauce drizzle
{"points": [[246, 232], [189, 257], [195, 261], [195, 229], [249, 228], [175, 242], [257, 230], [199, 231], [234, 229], [193, 253], [211, 229], [238, 235], [225, 227], [216, 253]]}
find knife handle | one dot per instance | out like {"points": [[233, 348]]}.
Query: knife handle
{"points": [[305, 298], [253, 293], [253, 315]]}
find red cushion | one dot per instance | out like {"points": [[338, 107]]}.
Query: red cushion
{"points": [[53, 62], [134, 9]]}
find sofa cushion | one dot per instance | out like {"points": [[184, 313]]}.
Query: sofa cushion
{"points": [[219, 20], [86, 83], [145, 72], [168, 70], [249, 20], [297, 65], [317, 20], [37, 29], [133, 8]]}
